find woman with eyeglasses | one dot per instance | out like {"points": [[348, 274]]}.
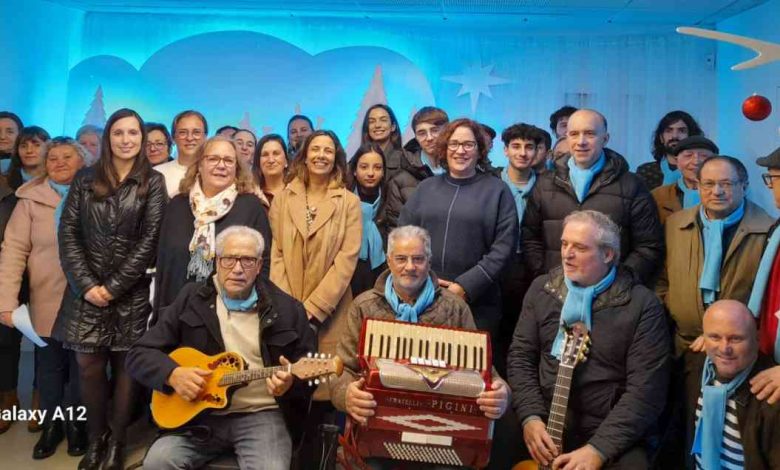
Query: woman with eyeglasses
{"points": [[270, 165], [217, 192], [367, 168], [107, 240], [317, 230], [472, 219], [30, 245], [158, 143], [380, 127]]}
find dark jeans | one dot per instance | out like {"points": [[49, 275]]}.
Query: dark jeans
{"points": [[58, 378], [10, 340]]}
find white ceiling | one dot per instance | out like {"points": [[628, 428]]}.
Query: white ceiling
{"points": [[493, 15]]}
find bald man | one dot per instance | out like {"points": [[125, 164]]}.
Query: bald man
{"points": [[592, 177], [728, 427]]}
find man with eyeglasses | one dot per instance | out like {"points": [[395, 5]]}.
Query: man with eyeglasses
{"points": [[684, 193], [712, 249], [418, 162], [597, 178], [764, 301], [237, 311], [189, 133], [408, 291]]}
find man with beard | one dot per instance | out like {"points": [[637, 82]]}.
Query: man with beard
{"points": [[674, 127], [418, 161]]}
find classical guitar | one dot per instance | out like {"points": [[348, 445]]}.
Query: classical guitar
{"points": [[575, 348], [228, 371]]}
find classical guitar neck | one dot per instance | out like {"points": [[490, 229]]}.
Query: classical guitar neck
{"points": [[560, 402]]}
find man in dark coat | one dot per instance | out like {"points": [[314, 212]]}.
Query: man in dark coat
{"points": [[748, 433], [240, 312], [417, 162], [596, 178], [617, 395]]}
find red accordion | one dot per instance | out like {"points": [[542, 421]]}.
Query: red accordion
{"points": [[426, 381]]}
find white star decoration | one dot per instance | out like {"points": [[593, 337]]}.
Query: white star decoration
{"points": [[476, 80]]}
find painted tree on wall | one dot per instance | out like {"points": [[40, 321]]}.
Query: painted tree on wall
{"points": [[96, 115], [374, 95]]}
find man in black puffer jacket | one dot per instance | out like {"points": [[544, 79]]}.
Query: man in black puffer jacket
{"points": [[612, 190]]}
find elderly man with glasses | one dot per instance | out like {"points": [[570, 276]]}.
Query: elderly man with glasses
{"points": [[241, 312]]}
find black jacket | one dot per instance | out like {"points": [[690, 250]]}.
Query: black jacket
{"points": [[651, 174], [619, 392], [759, 422], [111, 242], [192, 321], [401, 187], [178, 226], [615, 192]]}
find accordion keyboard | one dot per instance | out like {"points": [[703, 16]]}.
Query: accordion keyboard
{"points": [[409, 341]]}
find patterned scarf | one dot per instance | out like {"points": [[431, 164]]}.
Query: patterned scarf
{"points": [[207, 210], [709, 282]]}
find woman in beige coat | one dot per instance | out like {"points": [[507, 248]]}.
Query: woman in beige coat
{"points": [[31, 244], [317, 230]]}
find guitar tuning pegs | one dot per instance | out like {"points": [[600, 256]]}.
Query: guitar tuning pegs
{"points": [[308, 354], [317, 381]]}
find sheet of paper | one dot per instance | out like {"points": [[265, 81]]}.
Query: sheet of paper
{"points": [[22, 322]]}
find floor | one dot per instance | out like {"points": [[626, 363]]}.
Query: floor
{"points": [[16, 444]]}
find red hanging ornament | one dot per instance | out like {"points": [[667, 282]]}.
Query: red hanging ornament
{"points": [[756, 108]]}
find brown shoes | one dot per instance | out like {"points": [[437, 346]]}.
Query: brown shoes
{"points": [[7, 401], [33, 425]]}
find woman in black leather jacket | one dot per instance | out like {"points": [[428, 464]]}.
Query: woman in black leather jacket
{"points": [[107, 239]]}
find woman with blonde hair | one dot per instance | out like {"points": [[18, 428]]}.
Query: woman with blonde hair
{"points": [[317, 230], [218, 191]]}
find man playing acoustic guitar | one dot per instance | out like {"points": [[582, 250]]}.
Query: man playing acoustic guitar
{"points": [[239, 312], [618, 394]]}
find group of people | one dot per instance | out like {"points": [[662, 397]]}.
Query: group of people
{"points": [[275, 248]]}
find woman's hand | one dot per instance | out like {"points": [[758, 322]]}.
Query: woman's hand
{"points": [[94, 297]]}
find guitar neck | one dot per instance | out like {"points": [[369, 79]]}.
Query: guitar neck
{"points": [[559, 405], [234, 378]]}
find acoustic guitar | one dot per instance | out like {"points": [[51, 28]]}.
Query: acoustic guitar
{"points": [[575, 348], [228, 372]]}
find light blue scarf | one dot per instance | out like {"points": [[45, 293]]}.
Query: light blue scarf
{"points": [[709, 282], [371, 246], [406, 312], [26, 177], [581, 178], [578, 306], [436, 170], [691, 197], [708, 442], [239, 305], [550, 164], [762, 280], [62, 190], [519, 193], [670, 176]]}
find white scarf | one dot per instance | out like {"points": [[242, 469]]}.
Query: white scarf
{"points": [[207, 210]]}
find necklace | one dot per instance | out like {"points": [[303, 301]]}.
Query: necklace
{"points": [[311, 211]]}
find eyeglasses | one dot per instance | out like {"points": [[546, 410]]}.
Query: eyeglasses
{"points": [[183, 133], [433, 132], [468, 145], [768, 178], [158, 145], [727, 185], [215, 160], [228, 262]]}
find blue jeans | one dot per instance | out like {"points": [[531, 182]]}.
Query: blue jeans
{"points": [[260, 441]]}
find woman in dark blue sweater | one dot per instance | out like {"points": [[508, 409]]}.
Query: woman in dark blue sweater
{"points": [[472, 220]]}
